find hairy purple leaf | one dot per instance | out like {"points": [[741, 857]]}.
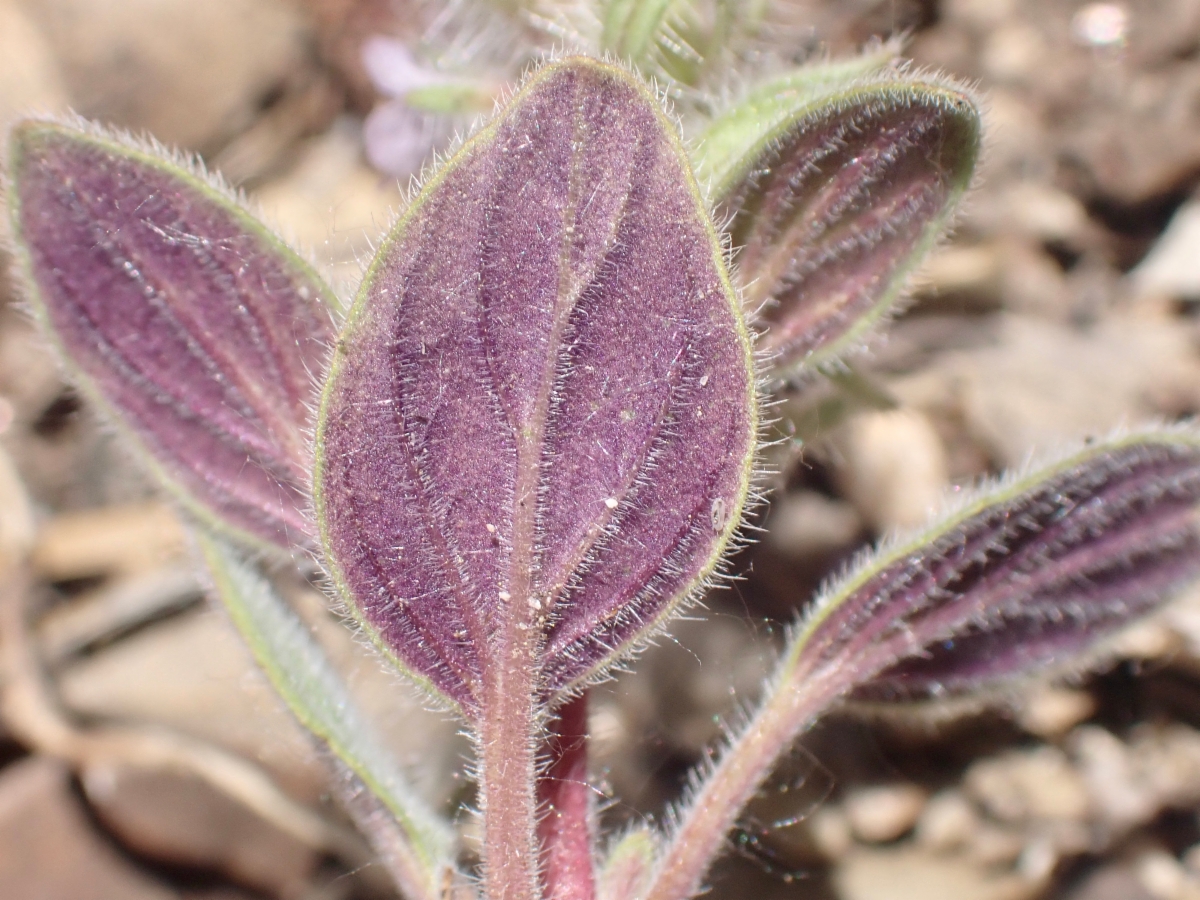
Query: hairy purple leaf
{"points": [[536, 435], [1035, 572], [835, 202], [197, 329], [1031, 577]]}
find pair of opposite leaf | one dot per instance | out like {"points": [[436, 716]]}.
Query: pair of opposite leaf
{"points": [[537, 427]]}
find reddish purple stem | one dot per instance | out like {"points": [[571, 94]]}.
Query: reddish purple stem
{"points": [[565, 800]]}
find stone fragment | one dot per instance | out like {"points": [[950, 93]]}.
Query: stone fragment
{"points": [[909, 873], [180, 820], [947, 822], [891, 465], [50, 851], [330, 203], [111, 540], [882, 813], [1170, 268], [805, 525], [1052, 711], [1041, 384], [192, 74], [30, 78], [1026, 785]]}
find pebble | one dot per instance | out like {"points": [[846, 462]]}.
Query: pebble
{"points": [[892, 466], [805, 524], [181, 820], [192, 74], [50, 849], [907, 872], [883, 813], [1164, 878], [1170, 266], [831, 831], [947, 822], [1050, 711], [1024, 785]]}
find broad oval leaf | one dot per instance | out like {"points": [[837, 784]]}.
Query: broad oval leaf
{"points": [[835, 204], [194, 327], [1032, 577], [541, 416]]}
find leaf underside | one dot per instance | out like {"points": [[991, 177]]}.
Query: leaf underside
{"points": [[834, 210], [1032, 578], [198, 330], [542, 411]]}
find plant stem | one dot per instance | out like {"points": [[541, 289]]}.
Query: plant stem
{"points": [[566, 804], [508, 761], [712, 810]]}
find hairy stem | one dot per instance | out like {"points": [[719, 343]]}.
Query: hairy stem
{"points": [[508, 761], [713, 807], [566, 807]]}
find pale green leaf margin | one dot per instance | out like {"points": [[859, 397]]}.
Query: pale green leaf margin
{"points": [[301, 673]]}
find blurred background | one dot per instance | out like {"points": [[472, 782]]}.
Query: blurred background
{"points": [[1067, 304]]}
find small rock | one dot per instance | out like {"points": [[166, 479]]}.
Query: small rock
{"points": [[1051, 712], [1191, 860], [1122, 370], [955, 270], [1045, 212], [947, 822], [1115, 881], [50, 851], [1038, 859], [331, 203], [910, 873], [884, 812], [993, 845], [181, 820], [120, 540], [192, 673], [1023, 785], [891, 465], [1149, 639], [1170, 268], [831, 832], [1118, 792], [30, 79], [807, 525], [192, 74], [1013, 52], [1164, 878]]}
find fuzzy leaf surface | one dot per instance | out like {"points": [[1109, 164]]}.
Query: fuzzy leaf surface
{"points": [[1047, 566], [193, 326], [542, 413], [1034, 576], [835, 202]]}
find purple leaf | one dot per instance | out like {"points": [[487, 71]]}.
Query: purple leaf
{"points": [[1046, 567], [837, 203], [1032, 577], [197, 329], [536, 435]]}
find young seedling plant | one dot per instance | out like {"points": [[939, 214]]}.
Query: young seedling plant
{"points": [[533, 436]]}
